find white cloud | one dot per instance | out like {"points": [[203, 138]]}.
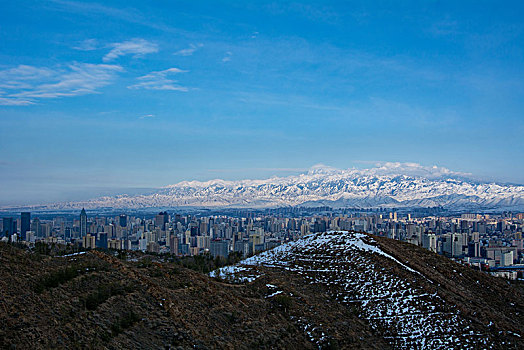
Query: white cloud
{"points": [[323, 169], [23, 85], [227, 57], [91, 9], [14, 102], [159, 81], [23, 77], [147, 116], [413, 169], [392, 168], [87, 45], [188, 51], [136, 47]]}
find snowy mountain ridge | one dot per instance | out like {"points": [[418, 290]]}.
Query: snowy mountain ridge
{"points": [[387, 185]]}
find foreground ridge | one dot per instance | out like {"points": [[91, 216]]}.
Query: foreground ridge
{"points": [[325, 290], [399, 302]]}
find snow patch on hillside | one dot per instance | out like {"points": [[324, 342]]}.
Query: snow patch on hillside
{"points": [[349, 264]]}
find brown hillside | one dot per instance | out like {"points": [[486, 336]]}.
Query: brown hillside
{"points": [[113, 304]]}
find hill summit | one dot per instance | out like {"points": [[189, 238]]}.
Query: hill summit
{"points": [[413, 302]]}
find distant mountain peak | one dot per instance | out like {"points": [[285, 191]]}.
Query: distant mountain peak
{"points": [[387, 185], [322, 169]]}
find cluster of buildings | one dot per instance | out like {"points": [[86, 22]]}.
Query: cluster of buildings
{"points": [[488, 242], [175, 234], [491, 242]]}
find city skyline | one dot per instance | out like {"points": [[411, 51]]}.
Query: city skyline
{"points": [[103, 98]]}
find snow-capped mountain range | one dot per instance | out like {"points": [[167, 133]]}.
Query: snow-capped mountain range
{"points": [[387, 185]]}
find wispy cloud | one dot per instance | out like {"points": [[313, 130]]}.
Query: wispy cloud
{"points": [[316, 12], [8, 101], [227, 57], [136, 47], [443, 27], [23, 85], [189, 50], [412, 169], [263, 98], [23, 76], [160, 81], [275, 170], [147, 116], [90, 9], [87, 45]]}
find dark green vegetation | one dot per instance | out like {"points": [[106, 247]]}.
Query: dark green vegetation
{"points": [[121, 324], [54, 249], [200, 263], [206, 263], [55, 278], [283, 301], [103, 293], [145, 301]]}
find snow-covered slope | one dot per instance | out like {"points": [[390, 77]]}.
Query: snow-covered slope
{"points": [[388, 185], [391, 296]]}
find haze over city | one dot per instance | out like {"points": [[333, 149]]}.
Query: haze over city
{"points": [[101, 98]]}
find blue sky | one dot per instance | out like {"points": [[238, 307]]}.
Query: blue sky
{"points": [[117, 96]]}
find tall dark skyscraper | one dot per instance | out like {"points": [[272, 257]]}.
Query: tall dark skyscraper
{"points": [[25, 225], [83, 223], [123, 220], [102, 240], [9, 227], [162, 219]]}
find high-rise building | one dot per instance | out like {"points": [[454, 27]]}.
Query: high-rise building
{"points": [[102, 240], [219, 248], [83, 223], [123, 220], [161, 220], [25, 224], [89, 241], [9, 227], [429, 241], [506, 258], [36, 227], [173, 244]]}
